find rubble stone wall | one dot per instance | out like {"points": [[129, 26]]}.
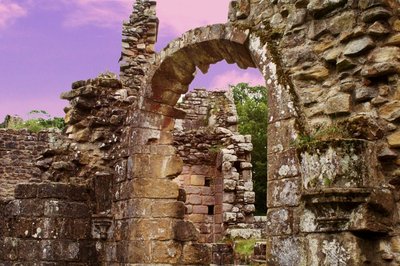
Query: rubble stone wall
{"points": [[216, 174], [18, 151]]}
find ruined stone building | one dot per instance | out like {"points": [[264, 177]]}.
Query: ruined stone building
{"points": [[137, 178]]}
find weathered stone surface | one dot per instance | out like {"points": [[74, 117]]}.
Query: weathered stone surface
{"points": [[358, 46], [322, 7], [376, 13], [390, 111], [154, 188], [342, 22], [378, 29], [279, 222], [185, 231], [394, 140], [394, 40], [285, 192], [364, 94], [284, 251], [315, 73], [322, 74], [196, 254], [338, 104]]}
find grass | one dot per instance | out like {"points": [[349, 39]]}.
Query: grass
{"points": [[245, 247]]}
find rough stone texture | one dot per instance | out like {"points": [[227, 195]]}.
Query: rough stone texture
{"points": [[18, 152], [216, 165], [332, 69]]}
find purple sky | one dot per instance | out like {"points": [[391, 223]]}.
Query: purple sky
{"points": [[45, 45]]}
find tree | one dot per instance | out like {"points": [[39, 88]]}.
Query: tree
{"points": [[252, 108], [38, 120]]}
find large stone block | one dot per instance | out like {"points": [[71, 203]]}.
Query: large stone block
{"points": [[285, 192], [185, 231], [166, 252], [281, 135], [154, 188], [286, 250], [154, 166], [151, 229], [196, 254], [279, 222], [168, 209], [283, 165]]}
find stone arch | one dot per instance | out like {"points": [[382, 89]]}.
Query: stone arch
{"points": [[168, 77]]}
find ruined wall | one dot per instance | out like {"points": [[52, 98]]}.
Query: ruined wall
{"points": [[341, 61], [47, 223], [19, 150], [332, 70], [216, 174]]}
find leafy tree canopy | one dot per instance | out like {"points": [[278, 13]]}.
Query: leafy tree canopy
{"points": [[38, 120], [252, 108]]}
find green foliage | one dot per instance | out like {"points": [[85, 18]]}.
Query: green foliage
{"points": [[252, 108], [245, 247], [39, 120]]}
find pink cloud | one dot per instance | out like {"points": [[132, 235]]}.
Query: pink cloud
{"points": [[9, 12], [176, 16], [102, 13], [179, 16], [233, 77]]}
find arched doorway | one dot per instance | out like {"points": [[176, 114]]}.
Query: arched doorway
{"points": [[155, 161]]}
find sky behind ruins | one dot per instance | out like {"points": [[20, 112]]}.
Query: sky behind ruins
{"points": [[45, 45]]}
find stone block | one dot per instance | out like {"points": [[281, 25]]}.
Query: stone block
{"points": [[29, 208], [29, 250], [196, 218], [194, 199], [137, 251], [279, 222], [283, 165], [338, 104], [58, 208], [161, 209], [197, 180], [154, 188], [286, 250], [390, 111], [229, 197], [281, 135], [25, 191], [166, 252], [151, 229], [394, 140], [249, 197], [200, 209], [285, 192], [197, 254], [154, 166], [280, 103], [358, 46], [208, 200], [185, 231], [229, 184], [324, 249], [229, 217]]}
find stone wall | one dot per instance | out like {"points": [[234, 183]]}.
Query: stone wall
{"points": [[332, 69], [216, 174], [47, 224], [19, 150]]}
